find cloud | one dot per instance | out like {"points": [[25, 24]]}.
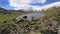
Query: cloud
{"points": [[24, 4], [55, 4], [28, 1]]}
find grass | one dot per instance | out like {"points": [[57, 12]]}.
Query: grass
{"points": [[8, 17], [52, 12]]}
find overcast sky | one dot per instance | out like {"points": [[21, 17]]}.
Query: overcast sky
{"points": [[25, 4]]}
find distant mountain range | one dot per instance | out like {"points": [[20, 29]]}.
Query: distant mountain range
{"points": [[5, 11], [2, 10]]}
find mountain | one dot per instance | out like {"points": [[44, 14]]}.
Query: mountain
{"points": [[52, 17], [5, 11], [52, 12]]}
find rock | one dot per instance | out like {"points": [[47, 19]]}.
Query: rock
{"points": [[5, 31], [34, 33], [4, 21]]}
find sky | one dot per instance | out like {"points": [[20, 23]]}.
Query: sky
{"points": [[26, 4]]}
